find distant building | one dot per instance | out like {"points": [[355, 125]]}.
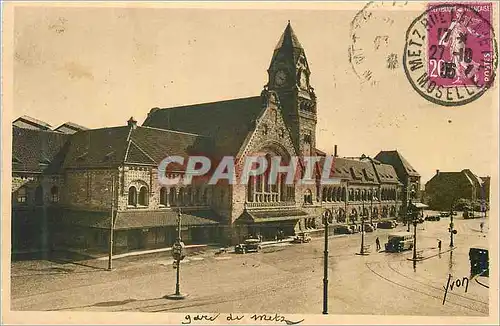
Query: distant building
{"points": [[407, 174], [445, 187]]}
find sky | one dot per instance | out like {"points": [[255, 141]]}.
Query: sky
{"points": [[98, 66]]}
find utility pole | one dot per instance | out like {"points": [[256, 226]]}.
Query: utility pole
{"points": [[414, 242], [111, 225], [325, 265], [452, 231], [178, 254]]}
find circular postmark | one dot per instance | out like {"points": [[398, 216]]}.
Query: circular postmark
{"points": [[376, 42], [450, 54]]}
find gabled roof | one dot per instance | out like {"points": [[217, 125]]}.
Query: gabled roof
{"points": [[400, 164], [110, 147], [353, 170], [227, 122], [37, 150], [70, 128], [386, 173], [30, 123]]}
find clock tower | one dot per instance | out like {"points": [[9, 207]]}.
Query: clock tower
{"points": [[289, 78]]}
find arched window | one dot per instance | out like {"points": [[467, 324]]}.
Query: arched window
{"points": [[250, 189], [181, 197], [143, 196], [22, 195], [205, 196], [39, 195], [324, 195], [343, 194], [132, 196], [163, 196], [189, 196], [308, 197], [54, 194], [172, 197]]}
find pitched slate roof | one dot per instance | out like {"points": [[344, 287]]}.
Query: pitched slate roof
{"points": [[386, 173], [37, 150], [227, 122], [353, 170], [70, 128], [108, 147], [400, 164], [30, 123]]}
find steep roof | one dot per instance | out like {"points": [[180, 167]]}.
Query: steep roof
{"points": [[70, 128], [353, 170], [30, 123], [110, 147], [386, 173], [288, 46], [37, 150], [400, 164], [227, 122]]}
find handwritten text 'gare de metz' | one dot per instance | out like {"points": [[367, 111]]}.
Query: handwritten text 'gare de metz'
{"points": [[269, 318]]}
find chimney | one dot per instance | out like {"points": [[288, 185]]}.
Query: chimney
{"points": [[437, 172], [335, 151], [132, 123]]}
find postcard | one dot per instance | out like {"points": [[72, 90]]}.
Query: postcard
{"points": [[274, 163]]}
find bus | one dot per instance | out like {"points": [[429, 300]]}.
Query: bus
{"points": [[399, 241]]}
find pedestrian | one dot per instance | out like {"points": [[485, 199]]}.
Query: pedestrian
{"points": [[439, 245], [481, 226], [377, 242]]}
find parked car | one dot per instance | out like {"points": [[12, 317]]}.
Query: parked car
{"points": [[479, 261], [301, 237], [354, 228], [420, 219], [250, 245], [433, 218], [387, 225], [469, 215], [444, 214], [368, 228], [342, 229]]}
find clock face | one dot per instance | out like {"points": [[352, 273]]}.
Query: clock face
{"points": [[280, 77]]}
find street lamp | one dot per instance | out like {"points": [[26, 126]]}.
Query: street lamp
{"points": [[111, 225], [326, 217], [452, 231], [409, 209], [362, 249], [178, 254]]}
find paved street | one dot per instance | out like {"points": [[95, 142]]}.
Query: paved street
{"points": [[285, 278]]}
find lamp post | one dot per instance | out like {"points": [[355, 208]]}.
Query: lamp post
{"points": [[409, 210], [178, 254], [362, 251], [326, 216], [111, 225], [452, 231]]}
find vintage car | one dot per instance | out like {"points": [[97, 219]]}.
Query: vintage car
{"points": [[368, 228], [342, 229], [302, 237], [433, 218], [444, 214], [479, 261], [354, 228], [399, 241], [387, 224], [250, 245]]}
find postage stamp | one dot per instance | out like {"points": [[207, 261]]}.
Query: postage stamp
{"points": [[450, 54]]}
